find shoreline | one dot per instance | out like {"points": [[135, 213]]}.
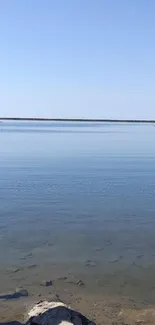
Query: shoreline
{"points": [[75, 120], [102, 309], [113, 298]]}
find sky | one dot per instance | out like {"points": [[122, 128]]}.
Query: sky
{"points": [[77, 58]]}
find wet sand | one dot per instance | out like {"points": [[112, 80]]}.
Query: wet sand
{"points": [[103, 310]]}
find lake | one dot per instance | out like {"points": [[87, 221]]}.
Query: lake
{"points": [[77, 203]]}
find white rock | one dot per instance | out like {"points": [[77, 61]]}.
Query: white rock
{"points": [[55, 313], [43, 306]]}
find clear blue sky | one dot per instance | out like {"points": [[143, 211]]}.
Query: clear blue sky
{"points": [[77, 58]]}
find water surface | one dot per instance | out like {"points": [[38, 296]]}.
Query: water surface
{"points": [[78, 200]]}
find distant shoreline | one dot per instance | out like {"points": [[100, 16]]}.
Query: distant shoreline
{"points": [[73, 120]]}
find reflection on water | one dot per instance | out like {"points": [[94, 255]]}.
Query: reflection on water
{"points": [[78, 200]]}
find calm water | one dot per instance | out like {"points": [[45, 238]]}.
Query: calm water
{"points": [[78, 200]]}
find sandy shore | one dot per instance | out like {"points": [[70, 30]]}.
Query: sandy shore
{"points": [[111, 300], [104, 310]]}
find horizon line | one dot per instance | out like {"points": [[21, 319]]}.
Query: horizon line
{"points": [[97, 120]]}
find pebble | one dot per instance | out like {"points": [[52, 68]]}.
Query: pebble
{"points": [[26, 256], [15, 270], [46, 283], [80, 283], [32, 266], [90, 264], [62, 278]]}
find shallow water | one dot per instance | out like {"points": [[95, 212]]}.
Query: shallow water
{"points": [[78, 201]]}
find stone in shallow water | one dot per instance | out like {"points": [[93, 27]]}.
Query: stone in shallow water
{"points": [[80, 283], [18, 293], [54, 313], [90, 263], [46, 283], [74, 281], [63, 278], [13, 270], [32, 266]]}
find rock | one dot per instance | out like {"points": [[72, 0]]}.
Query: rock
{"points": [[26, 256], [64, 278], [32, 266], [99, 249], [139, 256], [46, 283], [54, 313], [18, 293], [22, 292], [90, 263], [35, 274], [80, 283], [29, 255], [13, 270], [74, 281]]}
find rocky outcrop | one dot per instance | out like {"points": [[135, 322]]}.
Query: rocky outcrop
{"points": [[55, 313]]}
